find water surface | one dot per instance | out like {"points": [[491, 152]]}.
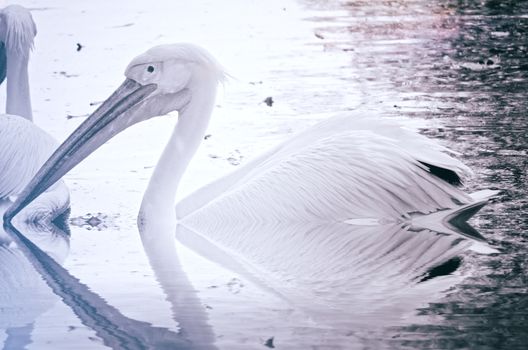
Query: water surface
{"points": [[462, 65], [457, 69]]}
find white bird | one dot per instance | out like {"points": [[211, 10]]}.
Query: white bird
{"points": [[24, 147], [345, 169], [17, 31]]}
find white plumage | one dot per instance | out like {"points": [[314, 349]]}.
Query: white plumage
{"points": [[24, 147], [17, 31], [292, 214], [346, 168], [292, 220]]}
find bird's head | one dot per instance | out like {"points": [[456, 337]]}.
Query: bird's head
{"points": [[175, 73], [163, 79], [17, 29], [17, 32]]}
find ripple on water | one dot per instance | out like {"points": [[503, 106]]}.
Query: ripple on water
{"points": [[465, 64]]}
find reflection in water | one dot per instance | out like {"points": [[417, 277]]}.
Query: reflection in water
{"points": [[341, 275], [26, 269], [23, 293], [158, 241], [463, 65]]}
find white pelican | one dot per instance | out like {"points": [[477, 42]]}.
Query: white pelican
{"points": [[24, 147], [345, 169], [17, 31]]}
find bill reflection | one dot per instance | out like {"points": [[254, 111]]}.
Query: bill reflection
{"points": [[33, 280]]}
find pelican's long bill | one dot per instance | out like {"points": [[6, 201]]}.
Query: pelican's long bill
{"points": [[101, 126]]}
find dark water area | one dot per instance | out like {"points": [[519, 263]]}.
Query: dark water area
{"points": [[463, 64]]}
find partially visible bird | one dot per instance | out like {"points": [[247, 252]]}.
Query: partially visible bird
{"points": [[24, 147], [17, 31]]}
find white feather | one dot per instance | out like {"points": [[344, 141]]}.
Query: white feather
{"points": [[347, 167], [24, 147], [20, 30], [284, 219]]}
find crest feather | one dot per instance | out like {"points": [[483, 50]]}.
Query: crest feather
{"points": [[17, 29]]}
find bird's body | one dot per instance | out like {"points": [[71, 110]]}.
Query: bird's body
{"points": [[24, 147], [348, 168], [292, 220], [345, 170]]}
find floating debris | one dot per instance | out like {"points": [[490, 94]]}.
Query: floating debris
{"points": [[67, 75], [79, 47], [123, 25], [235, 157], [207, 136], [269, 343], [500, 34], [482, 64], [98, 221], [268, 101], [235, 285], [71, 116]]}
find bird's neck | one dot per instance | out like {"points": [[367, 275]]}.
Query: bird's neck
{"points": [[183, 144], [18, 101]]}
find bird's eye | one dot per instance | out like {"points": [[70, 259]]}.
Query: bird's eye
{"points": [[150, 69]]}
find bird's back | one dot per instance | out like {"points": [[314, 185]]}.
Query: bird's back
{"points": [[24, 147], [344, 168]]}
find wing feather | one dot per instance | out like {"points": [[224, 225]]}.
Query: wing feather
{"points": [[24, 147], [330, 181], [343, 168]]}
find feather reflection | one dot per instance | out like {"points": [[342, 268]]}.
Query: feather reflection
{"points": [[340, 275]]}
